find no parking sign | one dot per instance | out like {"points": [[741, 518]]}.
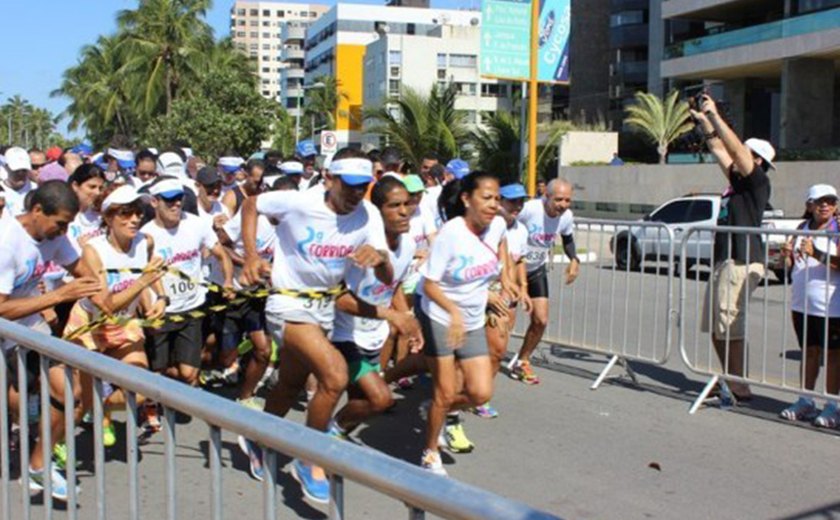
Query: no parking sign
{"points": [[329, 142]]}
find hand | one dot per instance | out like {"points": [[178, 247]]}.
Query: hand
{"points": [[79, 288], [456, 334], [153, 271], [421, 256], [497, 303], [708, 105], [525, 300], [254, 271], [512, 292], [407, 325], [787, 249], [572, 271], [157, 310], [228, 291], [219, 221], [367, 256], [806, 247]]}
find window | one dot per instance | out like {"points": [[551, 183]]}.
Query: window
{"points": [[394, 57], [254, 34], [441, 74], [254, 46], [493, 90], [266, 24], [266, 35], [280, 13], [627, 18], [240, 23], [253, 23], [240, 34], [313, 14], [240, 12], [266, 93], [472, 117], [466, 61], [266, 46], [291, 102], [255, 12], [394, 86], [466, 89], [441, 85], [441, 60], [410, 28], [395, 71], [266, 69], [683, 211], [266, 12]]}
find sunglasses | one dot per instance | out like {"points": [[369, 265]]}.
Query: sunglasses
{"points": [[173, 200], [829, 201], [38, 166], [128, 211], [212, 188]]}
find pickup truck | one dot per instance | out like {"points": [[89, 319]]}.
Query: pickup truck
{"points": [[678, 215]]}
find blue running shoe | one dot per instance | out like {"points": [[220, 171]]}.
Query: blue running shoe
{"points": [[58, 484], [254, 454], [313, 481]]}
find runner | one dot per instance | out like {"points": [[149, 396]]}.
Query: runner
{"points": [[318, 235], [363, 314], [179, 237], [545, 218], [30, 242], [210, 208], [229, 168], [254, 171], [123, 247], [463, 261], [16, 181]]}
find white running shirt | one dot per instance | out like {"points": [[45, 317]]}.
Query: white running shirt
{"points": [[543, 231], [810, 297], [137, 257]]}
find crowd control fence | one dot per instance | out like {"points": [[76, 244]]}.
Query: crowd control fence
{"points": [[419, 490], [767, 353], [621, 305]]}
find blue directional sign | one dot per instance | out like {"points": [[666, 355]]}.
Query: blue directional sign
{"points": [[505, 39]]}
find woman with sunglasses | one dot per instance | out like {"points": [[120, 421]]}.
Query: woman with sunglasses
{"points": [[815, 280], [121, 246]]}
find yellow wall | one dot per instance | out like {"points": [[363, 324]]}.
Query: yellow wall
{"points": [[349, 72]]}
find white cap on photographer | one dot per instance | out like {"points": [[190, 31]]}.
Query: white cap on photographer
{"points": [[763, 149]]}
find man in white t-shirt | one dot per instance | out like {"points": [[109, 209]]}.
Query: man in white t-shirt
{"points": [[179, 239], [318, 235], [17, 183], [546, 219], [30, 242]]}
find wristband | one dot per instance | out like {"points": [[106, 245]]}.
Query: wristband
{"points": [[711, 135], [165, 298]]}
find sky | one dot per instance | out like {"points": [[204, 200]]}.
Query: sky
{"points": [[42, 38]]}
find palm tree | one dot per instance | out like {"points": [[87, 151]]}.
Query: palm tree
{"points": [[41, 126], [321, 104], [223, 57], [166, 39], [19, 109], [661, 121], [418, 124], [498, 144]]}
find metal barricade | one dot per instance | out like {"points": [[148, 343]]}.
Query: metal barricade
{"points": [[418, 489], [622, 302], [767, 353]]}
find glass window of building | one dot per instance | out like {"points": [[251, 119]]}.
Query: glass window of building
{"points": [[466, 61], [394, 86], [240, 12], [441, 73], [627, 18], [266, 12], [280, 13], [394, 57], [255, 12], [254, 34], [395, 71], [441, 60]]}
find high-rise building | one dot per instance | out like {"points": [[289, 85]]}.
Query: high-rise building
{"points": [[774, 63], [256, 29], [446, 54], [336, 44]]}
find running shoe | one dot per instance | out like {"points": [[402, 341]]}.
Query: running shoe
{"points": [[486, 411], [524, 372], [151, 422], [456, 439], [211, 378], [336, 431], [230, 376], [109, 435], [60, 456], [251, 403], [313, 481], [405, 383], [254, 453], [803, 409], [431, 461], [830, 416], [58, 483]]}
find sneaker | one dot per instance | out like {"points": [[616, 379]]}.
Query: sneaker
{"points": [[251, 403], [60, 456], [313, 481], [802, 410], [58, 484], [109, 435], [254, 453], [405, 383], [456, 439], [525, 373], [431, 461], [230, 376], [151, 422], [211, 378], [336, 431], [486, 411], [829, 418]]}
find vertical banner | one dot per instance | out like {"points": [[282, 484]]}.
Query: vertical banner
{"points": [[554, 25]]}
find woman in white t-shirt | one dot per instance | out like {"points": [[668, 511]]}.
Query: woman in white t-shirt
{"points": [[815, 276], [124, 292], [463, 262]]}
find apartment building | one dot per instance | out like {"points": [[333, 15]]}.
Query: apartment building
{"points": [[446, 54], [336, 44], [774, 63], [257, 29]]}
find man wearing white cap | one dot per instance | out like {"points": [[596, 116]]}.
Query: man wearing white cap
{"points": [[229, 167], [179, 239], [17, 183], [318, 235], [738, 257]]}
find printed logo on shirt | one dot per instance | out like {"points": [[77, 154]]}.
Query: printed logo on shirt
{"points": [[312, 247], [536, 234], [263, 249], [377, 290], [76, 233], [33, 272], [116, 285], [467, 272], [184, 256]]}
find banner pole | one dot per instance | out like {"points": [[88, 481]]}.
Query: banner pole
{"points": [[533, 94]]}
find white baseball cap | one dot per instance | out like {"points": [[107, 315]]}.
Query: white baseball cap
{"points": [[818, 191], [17, 159], [125, 194], [170, 163], [763, 149], [353, 171], [167, 188]]}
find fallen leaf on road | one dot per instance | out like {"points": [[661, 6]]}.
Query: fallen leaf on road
{"points": [[655, 465]]}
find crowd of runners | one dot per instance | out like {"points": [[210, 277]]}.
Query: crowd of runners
{"points": [[289, 276]]}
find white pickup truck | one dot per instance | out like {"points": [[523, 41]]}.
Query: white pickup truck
{"points": [[678, 214]]}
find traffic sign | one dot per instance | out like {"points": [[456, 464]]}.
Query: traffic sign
{"points": [[329, 142]]}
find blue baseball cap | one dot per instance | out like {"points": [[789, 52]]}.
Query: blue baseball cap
{"points": [[354, 172], [459, 168], [513, 191], [306, 149], [82, 149], [124, 158]]}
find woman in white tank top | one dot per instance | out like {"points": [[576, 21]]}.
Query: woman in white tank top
{"points": [[120, 247]]}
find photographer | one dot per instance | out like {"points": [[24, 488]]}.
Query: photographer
{"points": [[738, 257]]}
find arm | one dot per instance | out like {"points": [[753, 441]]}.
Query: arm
{"points": [[229, 201], [713, 142], [402, 320], [738, 151], [255, 269], [574, 261], [227, 266], [111, 303]]}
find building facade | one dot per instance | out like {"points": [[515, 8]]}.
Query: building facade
{"points": [[445, 55], [257, 29], [337, 42], [773, 62]]}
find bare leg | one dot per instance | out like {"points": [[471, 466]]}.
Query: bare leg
{"points": [[260, 355], [443, 375], [367, 397], [293, 377], [536, 329]]}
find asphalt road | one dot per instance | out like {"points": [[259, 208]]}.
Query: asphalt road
{"points": [[624, 451]]}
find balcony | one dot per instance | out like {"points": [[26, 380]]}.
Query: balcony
{"points": [[292, 53], [293, 73], [717, 10], [291, 32]]}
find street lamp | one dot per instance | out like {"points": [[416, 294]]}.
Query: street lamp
{"points": [[300, 108]]}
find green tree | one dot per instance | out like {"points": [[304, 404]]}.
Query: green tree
{"points": [[660, 121], [321, 104], [418, 124], [227, 113], [167, 41], [283, 133], [498, 144], [18, 110]]}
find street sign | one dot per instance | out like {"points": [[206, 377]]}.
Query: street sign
{"points": [[329, 142], [505, 39]]}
